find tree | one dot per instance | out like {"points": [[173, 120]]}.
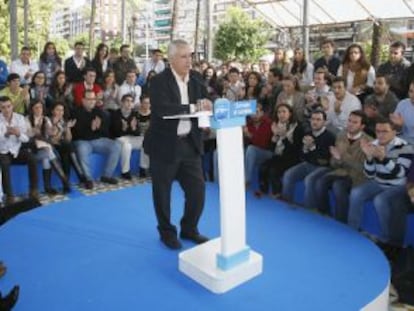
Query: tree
{"points": [[174, 19], [92, 28], [240, 37], [38, 26]]}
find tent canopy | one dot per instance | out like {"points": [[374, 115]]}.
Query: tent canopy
{"points": [[289, 13]]}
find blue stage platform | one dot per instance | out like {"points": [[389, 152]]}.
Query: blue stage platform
{"points": [[103, 253]]}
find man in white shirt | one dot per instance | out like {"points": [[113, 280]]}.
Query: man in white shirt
{"points": [[154, 63], [13, 132], [24, 66], [340, 106], [129, 87]]}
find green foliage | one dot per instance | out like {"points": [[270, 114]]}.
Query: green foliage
{"points": [[367, 46], [240, 37], [38, 28]]}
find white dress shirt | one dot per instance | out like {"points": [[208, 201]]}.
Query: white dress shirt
{"points": [[349, 104], [184, 125], [12, 143], [22, 69], [133, 90]]}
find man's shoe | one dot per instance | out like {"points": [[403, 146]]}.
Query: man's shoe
{"points": [[109, 180], [34, 195], [194, 237], [171, 242], [126, 176], [10, 199], [8, 302], [88, 184]]}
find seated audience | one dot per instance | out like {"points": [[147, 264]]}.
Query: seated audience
{"points": [[347, 163], [38, 89], [90, 135], [271, 90], [286, 148], [329, 62], [50, 62], [39, 130], [258, 134], [88, 84], [403, 116], [383, 97], [292, 96], [101, 63], [357, 72], [315, 156], [13, 136], [24, 66], [19, 96], [110, 92], [387, 160], [76, 64], [394, 70], [61, 139], [126, 129], [302, 69], [60, 91], [340, 106], [129, 87]]}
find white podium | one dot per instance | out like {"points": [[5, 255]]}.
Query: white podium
{"points": [[226, 262]]}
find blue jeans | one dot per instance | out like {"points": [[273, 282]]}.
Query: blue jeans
{"points": [[110, 148], [382, 197], [340, 186], [392, 213], [253, 158], [310, 173]]}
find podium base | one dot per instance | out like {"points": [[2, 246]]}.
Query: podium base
{"points": [[200, 264]]}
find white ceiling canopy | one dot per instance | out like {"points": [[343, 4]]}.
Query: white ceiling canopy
{"points": [[289, 13]]}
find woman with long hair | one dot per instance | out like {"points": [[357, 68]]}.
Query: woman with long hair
{"points": [[40, 128], [100, 62], [146, 86], [61, 139], [292, 96], [210, 79], [286, 144], [358, 73], [37, 88], [302, 69], [60, 91], [110, 92], [280, 61], [253, 85], [50, 61]]}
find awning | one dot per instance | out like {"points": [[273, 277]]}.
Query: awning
{"points": [[289, 13]]}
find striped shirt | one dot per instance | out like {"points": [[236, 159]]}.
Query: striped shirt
{"points": [[391, 171]]}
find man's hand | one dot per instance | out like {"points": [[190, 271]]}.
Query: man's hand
{"points": [[335, 153]]}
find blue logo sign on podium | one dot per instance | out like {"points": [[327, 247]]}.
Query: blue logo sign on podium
{"points": [[230, 114]]}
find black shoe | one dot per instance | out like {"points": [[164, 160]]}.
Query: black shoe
{"points": [[171, 242], [142, 172], [88, 184], [126, 176], [194, 237], [8, 302], [109, 180]]}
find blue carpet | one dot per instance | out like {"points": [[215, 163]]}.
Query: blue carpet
{"points": [[103, 253]]}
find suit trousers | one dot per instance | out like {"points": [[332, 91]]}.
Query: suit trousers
{"points": [[187, 170]]}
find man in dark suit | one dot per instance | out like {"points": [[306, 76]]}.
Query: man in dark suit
{"points": [[175, 145], [75, 65]]}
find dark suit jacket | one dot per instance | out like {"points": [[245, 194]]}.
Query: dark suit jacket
{"points": [[161, 138], [73, 74]]}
